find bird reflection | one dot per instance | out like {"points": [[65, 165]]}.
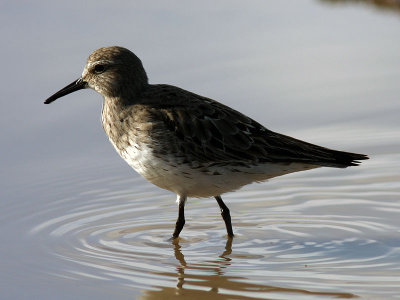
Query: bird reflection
{"points": [[221, 263], [208, 280]]}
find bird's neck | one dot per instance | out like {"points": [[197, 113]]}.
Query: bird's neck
{"points": [[111, 116], [113, 107]]}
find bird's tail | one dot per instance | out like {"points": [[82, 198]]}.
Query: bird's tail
{"points": [[340, 159], [295, 150]]}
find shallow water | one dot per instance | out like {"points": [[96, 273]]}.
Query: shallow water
{"points": [[78, 223], [326, 233]]}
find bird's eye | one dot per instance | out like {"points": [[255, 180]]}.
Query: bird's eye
{"points": [[98, 69]]}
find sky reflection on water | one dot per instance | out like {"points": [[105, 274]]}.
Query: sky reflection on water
{"points": [[78, 223]]}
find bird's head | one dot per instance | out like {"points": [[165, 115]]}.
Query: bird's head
{"points": [[110, 71]]}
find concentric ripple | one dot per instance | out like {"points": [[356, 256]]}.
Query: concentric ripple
{"points": [[326, 233]]}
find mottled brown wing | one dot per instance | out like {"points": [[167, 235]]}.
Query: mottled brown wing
{"points": [[212, 132]]}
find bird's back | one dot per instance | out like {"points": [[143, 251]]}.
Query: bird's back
{"points": [[212, 132], [194, 145]]}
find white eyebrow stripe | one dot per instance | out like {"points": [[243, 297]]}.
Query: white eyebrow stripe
{"points": [[100, 62]]}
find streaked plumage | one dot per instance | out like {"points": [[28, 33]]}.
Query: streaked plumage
{"points": [[191, 145]]}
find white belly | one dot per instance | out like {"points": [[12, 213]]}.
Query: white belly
{"points": [[206, 181]]}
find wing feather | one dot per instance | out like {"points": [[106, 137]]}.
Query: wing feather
{"points": [[214, 133]]}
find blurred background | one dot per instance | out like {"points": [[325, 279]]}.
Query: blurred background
{"points": [[77, 222]]}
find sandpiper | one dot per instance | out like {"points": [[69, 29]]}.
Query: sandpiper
{"points": [[188, 144]]}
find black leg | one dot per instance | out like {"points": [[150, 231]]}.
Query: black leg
{"points": [[225, 215], [180, 222]]}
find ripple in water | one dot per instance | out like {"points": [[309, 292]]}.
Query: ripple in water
{"points": [[325, 233]]}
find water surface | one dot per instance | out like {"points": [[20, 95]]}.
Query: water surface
{"points": [[78, 223]]}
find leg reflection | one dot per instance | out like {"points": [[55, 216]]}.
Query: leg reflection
{"points": [[207, 278], [181, 258], [215, 267]]}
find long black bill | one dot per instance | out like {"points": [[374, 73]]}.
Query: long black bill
{"points": [[70, 88]]}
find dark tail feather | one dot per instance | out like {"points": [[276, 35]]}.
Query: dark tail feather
{"points": [[340, 159], [287, 149]]}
